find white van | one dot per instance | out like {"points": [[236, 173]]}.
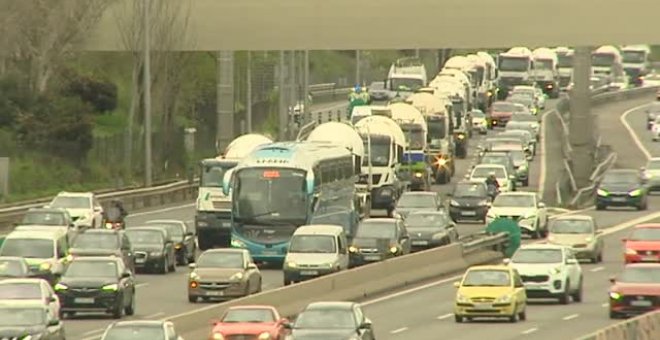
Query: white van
{"points": [[315, 250]]}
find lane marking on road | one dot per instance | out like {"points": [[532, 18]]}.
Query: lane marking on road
{"points": [[597, 269], [155, 315], [399, 330], [605, 305], [445, 316], [570, 317], [96, 331], [529, 331], [139, 285], [632, 132]]}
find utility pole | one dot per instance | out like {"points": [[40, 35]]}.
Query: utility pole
{"points": [[306, 82], [358, 66], [284, 110], [249, 92], [224, 99], [581, 134], [293, 98], [147, 94]]}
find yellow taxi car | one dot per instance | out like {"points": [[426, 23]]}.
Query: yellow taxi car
{"points": [[495, 291]]}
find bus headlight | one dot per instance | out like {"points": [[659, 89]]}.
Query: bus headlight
{"points": [[394, 249]]}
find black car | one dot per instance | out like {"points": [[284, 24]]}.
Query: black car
{"points": [[183, 238], [622, 188], [428, 229], [332, 321], [469, 201], [97, 284], [377, 239], [341, 216], [17, 267], [29, 320], [153, 249], [103, 242], [141, 330], [415, 201]]}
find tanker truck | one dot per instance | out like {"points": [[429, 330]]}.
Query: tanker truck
{"points": [[607, 61], [546, 73], [516, 67], [565, 67], [213, 207], [415, 129], [636, 62]]}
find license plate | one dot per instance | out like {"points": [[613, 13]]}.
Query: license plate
{"points": [[483, 306], [84, 300], [649, 258], [641, 303], [212, 293], [268, 252], [309, 272], [469, 213], [371, 258], [420, 243], [140, 260], [618, 199]]}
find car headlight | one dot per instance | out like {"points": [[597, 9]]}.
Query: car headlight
{"points": [[352, 249], [491, 215], [438, 236], [551, 238], [238, 244], [194, 276], [503, 299], [236, 277], [218, 336], [60, 286], [155, 253], [113, 287], [483, 203], [291, 264], [615, 296], [45, 266], [588, 239], [635, 192], [555, 270], [454, 203], [394, 249], [460, 298], [631, 251], [601, 192], [327, 265], [264, 336], [418, 174], [69, 258]]}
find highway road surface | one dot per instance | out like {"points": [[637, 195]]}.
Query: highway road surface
{"points": [[161, 296]]}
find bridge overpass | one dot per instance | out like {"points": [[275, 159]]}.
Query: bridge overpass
{"points": [[394, 24]]}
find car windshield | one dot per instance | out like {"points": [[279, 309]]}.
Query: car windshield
{"points": [[518, 156], [174, 229], [470, 190], [322, 244], [82, 268], [12, 268], [566, 226], [416, 201], [632, 274], [483, 172], [325, 319], [487, 278], [252, 315], [220, 260], [21, 317], [342, 219], [20, 291], [376, 230], [645, 234], [145, 237], [495, 159], [517, 201], [377, 85], [503, 107], [653, 164], [523, 117], [537, 256], [71, 202], [96, 241], [478, 114], [135, 333], [620, 178], [28, 247], [425, 220], [525, 100], [44, 218]]}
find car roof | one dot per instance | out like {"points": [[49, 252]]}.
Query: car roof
{"points": [[642, 265], [48, 210], [224, 251], [491, 267], [165, 222], [97, 259], [574, 217], [21, 280], [100, 231], [420, 193], [39, 227], [319, 229], [8, 304], [490, 166], [379, 219], [36, 234], [330, 305], [129, 323], [518, 193], [75, 194], [272, 308], [146, 227], [543, 246], [648, 225]]}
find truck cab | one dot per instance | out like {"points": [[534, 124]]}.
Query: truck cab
{"points": [[606, 61], [636, 63], [406, 75], [516, 67], [546, 72], [565, 66]]}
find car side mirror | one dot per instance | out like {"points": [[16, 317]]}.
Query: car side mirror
{"points": [[449, 194], [365, 325], [541, 205], [287, 325], [599, 232], [54, 322], [506, 261], [571, 261], [192, 265], [214, 322], [457, 284], [612, 279], [97, 209], [126, 275], [189, 233], [251, 266]]}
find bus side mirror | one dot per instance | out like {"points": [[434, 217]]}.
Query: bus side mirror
{"points": [[226, 182]]}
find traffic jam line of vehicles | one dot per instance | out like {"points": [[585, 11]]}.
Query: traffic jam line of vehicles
{"points": [[306, 206]]}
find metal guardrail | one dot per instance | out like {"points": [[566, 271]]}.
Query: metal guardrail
{"points": [[595, 177], [643, 327], [483, 241]]}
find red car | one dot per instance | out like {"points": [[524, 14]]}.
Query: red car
{"points": [[643, 244], [501, 112], [636, 290], [250, 322]]}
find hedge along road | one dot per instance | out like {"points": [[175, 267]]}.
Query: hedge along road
{"points": [[159, 297]]}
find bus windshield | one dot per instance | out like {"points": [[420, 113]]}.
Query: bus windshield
{"points": [[270, 195], [212, 175]]}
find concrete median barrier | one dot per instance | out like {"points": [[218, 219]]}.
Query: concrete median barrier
{"points": [[643, 327], [353, 284]]}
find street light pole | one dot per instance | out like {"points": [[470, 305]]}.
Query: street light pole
{"points": [[147, 95]]}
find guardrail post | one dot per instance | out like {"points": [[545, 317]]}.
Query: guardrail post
{"points": [[339, 115]]}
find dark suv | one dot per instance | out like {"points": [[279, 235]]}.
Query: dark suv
{"points": [[154, 249]]}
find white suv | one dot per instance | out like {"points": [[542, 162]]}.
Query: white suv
{"points": [[524, 207], [549, 271], [84, 208]]}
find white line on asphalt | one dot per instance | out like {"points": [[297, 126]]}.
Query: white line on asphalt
{"points": [[597, 269], [605, 305], [530, 331], [570, 317], [158, 211], [400, 330], [155, 315], [139, 285], [446, 316], [632, 132], [96, 331]]}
